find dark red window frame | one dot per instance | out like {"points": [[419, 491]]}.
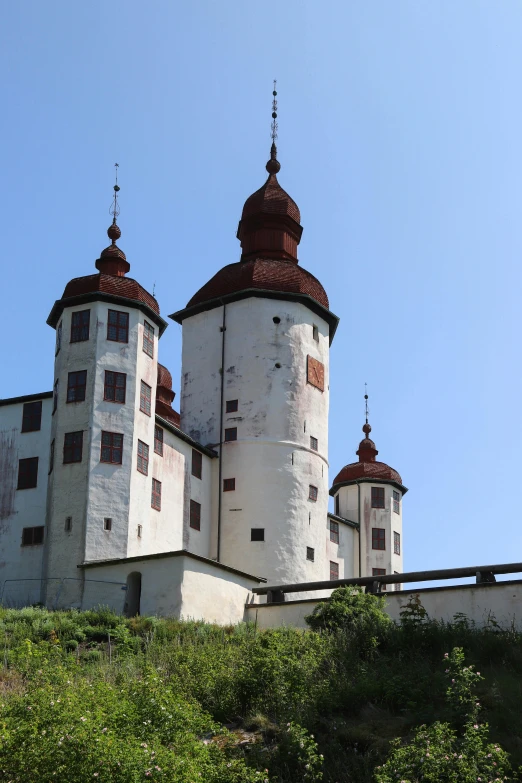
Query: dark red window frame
{"points": [[378, 538], [118, 326], [195, 515], [143, 458], [80, 323], [115, 386], [72, 447], [31, 536], [232, 406], [111, 451], [313, 492], [396, 543], [27, 473], [230, 434], [145, 398], [32, 416], [156, 494], [334, 531], [76, 385], [378, 497], [229, 485], [334, 570], [197, 463], [379, 572], [158, 440], [148, 339]]}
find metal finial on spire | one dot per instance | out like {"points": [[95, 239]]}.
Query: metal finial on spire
{"points": [[274, 126], [366, 401], [114, 209]]}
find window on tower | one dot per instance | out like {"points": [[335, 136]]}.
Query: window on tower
{"points": [[314, 445], [230, 434], [334, 570], [72, 447], [51, 457], [378, 497], [337, 503], [195, 515], [58, 339], [378, 538], [396, 501], [229, 485], [156, 494], [379, 572], [55, 395], [76, 384], [232, 406], [31, 536], [145, 398], [118, 326], [27, 473], [148, 339], [312, 492], [315, 330], [111, 448], [197, 463], [310, 553], [143, 458], [80, 322], [32, 416], [396, 543], [257, 533], [115, 386], [334, 531], [158, 440]]}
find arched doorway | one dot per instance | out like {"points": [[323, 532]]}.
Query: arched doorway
{"points": [[132, 603]]}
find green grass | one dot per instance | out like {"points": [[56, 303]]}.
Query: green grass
{"points": [[354, 697]]}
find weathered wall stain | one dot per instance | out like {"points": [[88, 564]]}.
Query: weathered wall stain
{"points": [[7, 475]]}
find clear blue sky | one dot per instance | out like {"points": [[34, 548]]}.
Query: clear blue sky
{"points": [[400, 137]]}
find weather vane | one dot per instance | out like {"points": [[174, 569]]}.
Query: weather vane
{"points": [[274, 125], [366, 401], [114, 209]]}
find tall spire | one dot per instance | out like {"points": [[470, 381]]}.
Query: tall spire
{"points": [[112, 260], [366, 451], [273, 165]]}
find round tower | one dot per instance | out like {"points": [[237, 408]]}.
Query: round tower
{"points": [[254, 386], [370, 493]]}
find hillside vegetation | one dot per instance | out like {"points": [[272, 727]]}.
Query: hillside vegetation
{"points": [[94, 696]]}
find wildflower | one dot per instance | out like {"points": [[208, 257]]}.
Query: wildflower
{"points": [[52, 704], [104, 730], [144, 745], [307, 766], [446, 655], [475, 725], [83, 719], [158, 768]]}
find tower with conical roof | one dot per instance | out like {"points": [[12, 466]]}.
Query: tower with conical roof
{"points": [[255, 387], [370, 493]]}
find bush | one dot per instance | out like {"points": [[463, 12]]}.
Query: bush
{"points": [[349, 609]]}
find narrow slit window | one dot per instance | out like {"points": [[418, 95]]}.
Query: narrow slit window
{"points": [[58, 339], [118, 326], [396, 543], [156, 494], [197, 463], [107, 523], [337, 504], [115, 386], [145, 398], [111, 448], [396, 502], [315, 331], [51, 457], [143, 458], [148, 339], [378, 538], [195, 515], [72, 447], [76, 384], [32, 416], [139, 530], [80, 322], [68, 524], [55, 395]]}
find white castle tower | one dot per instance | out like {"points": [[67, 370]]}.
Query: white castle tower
{"points": [[255, 387]]}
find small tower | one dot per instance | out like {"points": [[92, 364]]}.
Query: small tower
{"points": [[370, 493]]}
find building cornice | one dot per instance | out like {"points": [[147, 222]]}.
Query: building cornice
{"points": [[183, 436], [100, 296], [367, 480], [26, 398], [343, 521]]}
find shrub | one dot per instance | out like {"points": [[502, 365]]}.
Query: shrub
{"points": [[348, 608]]}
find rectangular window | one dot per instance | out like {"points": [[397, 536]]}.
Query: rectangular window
{"points": [[337, 505], [257, 533], [312, 492], [55, 395], [80, 326], [377, 497], [334, 570], [195, 515], [396, 543], [145, 398], [316, 333], [379, 572], [158, 440], [72, 447], [118, 326], [229, 485], [51, 457], [27, 473], [143, 458], [396, 502], [32, 536], [230, 434], [107, 523], [68, 524], [76, 383], [58, 339], [378, 538], [156, 494], [32, 416], [115, 386], [140, 528], [197, 463], [314, 445], [334, 531], [111, 448], [397, 585], [310, 553], [148, 339], [232, 406]]}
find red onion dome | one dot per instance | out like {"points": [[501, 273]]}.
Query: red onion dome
{"points": [[367, 468], [165, 396]]}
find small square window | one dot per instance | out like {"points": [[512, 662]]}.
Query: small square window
{"points": [[32, 416], [58, 339], [378, 497], [312, 492], [158, 440], [55, 395], [334, 531], [314, 445], [378, 538], [337, 503], [229, 485], [156, 494], [107, 523], [310, 553], [145, 398], [230, 434], [51, 457], [143, 458], [80, 326], [27, 473], [257, 533], [68, 524], [197, 463], [32, 536], [140, 528], [396, 502], [195, 515], [379, 572], [118, 326], [111, 448], [396, 543], [334, 570], [315, 329], [148, 339], [76, 383], [115, 386], [72, 447], [232, 406]]}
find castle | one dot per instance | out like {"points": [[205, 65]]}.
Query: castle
{"points": [[108, 494]]}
